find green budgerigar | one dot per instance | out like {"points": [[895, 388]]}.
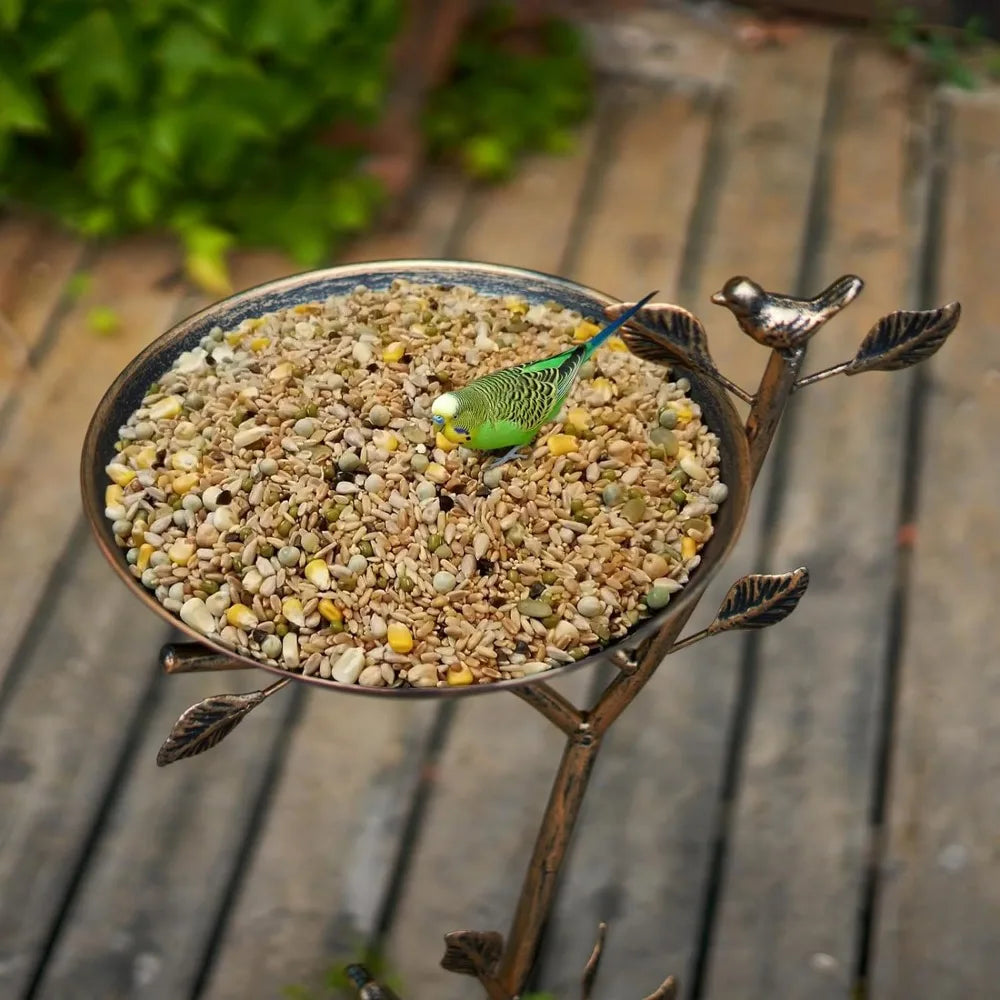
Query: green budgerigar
{"points": [[507, 408]]}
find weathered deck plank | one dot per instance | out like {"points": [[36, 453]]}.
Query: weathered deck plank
{"points": [[144, 912], [64, 726], [528, 221], [940, 896], [799, 835], [40, 447], [127, 928], [489, 789], [642, 859], [634, 237], [36, 258], [348, 781]]}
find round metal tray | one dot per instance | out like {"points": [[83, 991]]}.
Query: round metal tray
{"points": [[126, 392]]}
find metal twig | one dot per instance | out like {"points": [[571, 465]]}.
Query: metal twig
{"points": [[667, 990], [590, 969], [558, 710]]}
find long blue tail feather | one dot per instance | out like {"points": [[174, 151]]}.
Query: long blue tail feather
{"points": [[602, 335]]}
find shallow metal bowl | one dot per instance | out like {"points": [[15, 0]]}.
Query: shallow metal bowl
{"points": [[126, 393]]}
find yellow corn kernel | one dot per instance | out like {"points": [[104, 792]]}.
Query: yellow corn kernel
{"points": [[330, 611], [307, 307], [113, 494], [562, 444], [145, 457], [145, 552], [259, 343], [459, 675], [240, 616], [184, 482], [399, 637], [166, 408], [291, 608], [689, 547], [282, 371], [584, 331], [234, 337], [122, 475], [386, 440], [184, 461], [615, 344], [393, 352], [318, 574], [578, 418], [517, 306], [440, 441], [181, 551], [684, 414]]}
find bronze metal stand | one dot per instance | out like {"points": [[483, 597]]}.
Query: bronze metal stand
{"points": [[670, 335]]}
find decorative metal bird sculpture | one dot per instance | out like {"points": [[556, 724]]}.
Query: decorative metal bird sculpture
{"points": [[780, 321], [507, 408], [367, 988]]}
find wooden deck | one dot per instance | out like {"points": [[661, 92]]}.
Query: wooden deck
{"points": [[810, 812]]}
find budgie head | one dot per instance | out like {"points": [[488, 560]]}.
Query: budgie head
{"points": [[446, 412]]}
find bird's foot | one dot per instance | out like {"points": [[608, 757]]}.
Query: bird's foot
{"points": [[507, 456]]}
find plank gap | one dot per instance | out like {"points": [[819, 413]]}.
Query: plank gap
{"points": [[775, 489], [274, 769], [110, 794], [912, 465]]}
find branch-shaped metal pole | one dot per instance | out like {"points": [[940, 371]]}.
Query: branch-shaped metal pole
{"points": [[193, 657], [669, 335]]}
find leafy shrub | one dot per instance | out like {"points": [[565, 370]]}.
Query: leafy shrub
{"points": [[205, 118], [198, 116], [509, 92]]}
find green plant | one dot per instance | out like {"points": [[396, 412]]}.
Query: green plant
{"points": [[201, 117], [206, 118], [947, 53], [510, 91]]}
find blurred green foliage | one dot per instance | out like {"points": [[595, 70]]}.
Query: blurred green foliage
{"points": [[204, 117], [960, 57], [198, 116], [510, 92]]}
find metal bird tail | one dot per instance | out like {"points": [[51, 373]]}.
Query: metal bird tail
{"points": [[601, 336], [367, 988], [841, 293]]}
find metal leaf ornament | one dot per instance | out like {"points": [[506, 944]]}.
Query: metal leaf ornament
{"points": [[904, 338], [206, 724], [472, 953], [759, 600], [666, 334]]}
